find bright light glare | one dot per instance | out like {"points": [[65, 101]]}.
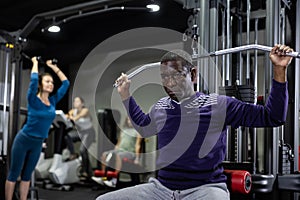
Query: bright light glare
{"points": [[153, 7], [54, 29]]}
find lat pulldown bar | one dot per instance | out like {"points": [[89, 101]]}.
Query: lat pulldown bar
{"points": [[215, 53], [243, 48], [138, 70]]}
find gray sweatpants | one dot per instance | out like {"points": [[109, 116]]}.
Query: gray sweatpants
{"points": [[154, 190]]}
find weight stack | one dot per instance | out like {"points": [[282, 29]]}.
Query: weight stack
{"points": [[244, 93], [285, 157]]}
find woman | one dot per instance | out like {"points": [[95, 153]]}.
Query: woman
{"points": [[85, 132], [28, 142], [128, 146]]}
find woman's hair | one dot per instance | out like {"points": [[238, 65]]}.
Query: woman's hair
{"points": [[81, 99], [41, 76]]}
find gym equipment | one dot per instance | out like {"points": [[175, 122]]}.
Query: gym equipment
{"points": [[242, 92], [43, 166], [215, 53], [4, 108], [140, 69], [34, 194], [243, 48], [108, 120], [128, 167], [39, 59], [238, 181], [63, 172]]}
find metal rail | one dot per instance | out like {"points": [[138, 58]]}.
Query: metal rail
{"points": [[243, 48], [138, 70], [215, 53]]}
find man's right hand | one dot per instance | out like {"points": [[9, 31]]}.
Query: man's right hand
{"points": [[123, 86], [280, 61]]}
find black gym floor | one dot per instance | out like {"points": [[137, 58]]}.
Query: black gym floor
{"points": [[86, 191], [79, 191]]}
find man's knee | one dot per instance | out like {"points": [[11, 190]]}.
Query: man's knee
{"points": [[217, 191]]}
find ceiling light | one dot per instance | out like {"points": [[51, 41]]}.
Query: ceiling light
{"points": [[153, 7], [54, 29]]}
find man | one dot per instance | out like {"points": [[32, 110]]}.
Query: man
{"points": [[191, 129]]}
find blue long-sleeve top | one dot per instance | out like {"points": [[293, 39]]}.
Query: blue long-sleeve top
{"points": [[39, 115], [192, 134]]}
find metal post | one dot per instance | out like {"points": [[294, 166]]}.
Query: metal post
{"points": [[213, 43], [254, 137], [5, 98], [272, 37], [248, 42], [240, 71], [296, 97], [282, 28], [223, 47], [14, 105], [223, 75], [204, 40], [255, 62], [228, 32]]}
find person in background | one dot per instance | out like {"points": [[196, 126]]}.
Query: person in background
{"points": [[27, 144], [128, 146], [84, 132], [191, 128]]}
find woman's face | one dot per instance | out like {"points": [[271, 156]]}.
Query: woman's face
{"points": [[77, 103], [47, 84]]}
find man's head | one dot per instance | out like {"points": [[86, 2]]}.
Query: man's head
{"points": [[177, 74]]}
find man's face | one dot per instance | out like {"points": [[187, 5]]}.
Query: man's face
{"points": [[176, 80]]}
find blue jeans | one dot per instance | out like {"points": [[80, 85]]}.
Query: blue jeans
{"points": [[154, 190]]}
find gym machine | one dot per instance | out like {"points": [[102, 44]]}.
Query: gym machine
{"points": [[62, 173], [277, 172], [9, 105], [211, 54]]}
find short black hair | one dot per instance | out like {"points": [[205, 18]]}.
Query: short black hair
{"points": [[178, 55]]}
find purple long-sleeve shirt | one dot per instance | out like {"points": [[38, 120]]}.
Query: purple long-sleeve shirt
{"points": [[192, 134]]}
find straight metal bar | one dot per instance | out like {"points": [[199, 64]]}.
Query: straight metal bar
{"points": [[215, 53], [243, 48], [223, 46], [228, 37], [5, 128], [296, 97], [248, 42]]}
